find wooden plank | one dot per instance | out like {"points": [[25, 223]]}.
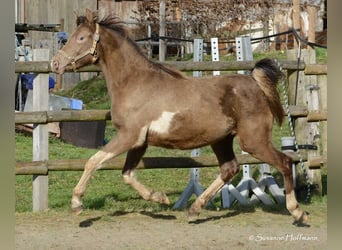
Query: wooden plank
{"points": [[38, 117], [34, 67], [40, 134], [323, 105], [42, 167], [317, 161], [298, 111], [316, 69], [78, 115], [317, 115], [43, 117], [44, 66]]}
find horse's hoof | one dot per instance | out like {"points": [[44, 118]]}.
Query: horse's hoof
{"points": [[193, 214], [192, 217], [77, 210], [304, 217], [160, 198], [302, 220]]}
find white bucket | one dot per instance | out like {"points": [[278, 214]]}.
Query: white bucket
{"points": [[287, 141]]}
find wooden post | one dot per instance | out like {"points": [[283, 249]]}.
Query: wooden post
{"points": [[266, 33], [306, 132], [149, 44], [40, 133], [323, 105], [59, 77], [313, 128], [296, 18], [312, 19], [162, 46]]}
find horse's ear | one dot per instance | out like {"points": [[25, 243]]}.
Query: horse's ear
{"points": [[91, 16]]}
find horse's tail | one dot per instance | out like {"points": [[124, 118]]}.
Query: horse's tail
{"points": [[267, 74]]}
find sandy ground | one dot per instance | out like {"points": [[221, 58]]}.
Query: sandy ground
{"points": [[226, 229]]}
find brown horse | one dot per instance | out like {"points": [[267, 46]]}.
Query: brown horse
{"points": [[155, 105]]}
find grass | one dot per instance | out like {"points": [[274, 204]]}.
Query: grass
{"points": [[106, 189]]}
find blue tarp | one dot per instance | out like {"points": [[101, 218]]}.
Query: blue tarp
{"points": [[27, 81]]}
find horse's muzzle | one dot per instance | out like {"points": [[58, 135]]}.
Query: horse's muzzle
{"points": [[55, 66]]}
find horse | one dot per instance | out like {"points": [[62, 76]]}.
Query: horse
{"points": [[152, 104]]}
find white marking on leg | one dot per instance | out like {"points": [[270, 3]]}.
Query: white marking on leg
{"points": [[142, 137], [100, 157], [92, 164], [142, 190], [163, 123], [203, 199]]}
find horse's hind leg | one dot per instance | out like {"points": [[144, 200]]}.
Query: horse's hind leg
{"points": [[133, 157], [228, 166], [258, 142]]}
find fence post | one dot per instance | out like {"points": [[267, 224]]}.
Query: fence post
{"points": [[162, 29], [40, 133], [198, 54], [215, 56], [306, 93]]}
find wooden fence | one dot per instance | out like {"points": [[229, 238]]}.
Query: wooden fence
{"points": [[300, 111]]}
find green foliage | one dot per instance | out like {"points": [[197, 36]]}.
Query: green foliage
{"points": [[321, 55], [92, 92]]}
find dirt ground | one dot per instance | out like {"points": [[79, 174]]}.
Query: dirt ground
{"points": [[225, 229]]}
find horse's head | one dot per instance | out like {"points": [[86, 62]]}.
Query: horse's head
{"points": [[81, 48]]}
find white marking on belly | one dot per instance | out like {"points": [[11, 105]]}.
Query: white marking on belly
{"points": [[162, 124]]}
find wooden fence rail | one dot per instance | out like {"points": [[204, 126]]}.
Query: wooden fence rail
{"points": [[43, 117], [309, 69], [43, 167]]}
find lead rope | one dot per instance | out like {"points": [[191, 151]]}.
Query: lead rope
{"points": [[301, 162]]}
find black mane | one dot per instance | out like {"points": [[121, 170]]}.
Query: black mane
{"points": [[114, 23]]}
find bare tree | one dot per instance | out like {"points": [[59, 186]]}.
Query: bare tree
{"points": [[208, 17]]}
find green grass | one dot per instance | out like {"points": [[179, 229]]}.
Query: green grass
{"points": [[92, 92], [106, 189]]}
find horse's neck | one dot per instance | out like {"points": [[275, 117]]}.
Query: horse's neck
{"points": [[121, 65]]}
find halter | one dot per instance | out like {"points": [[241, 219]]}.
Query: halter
{"points": [[91, 51]]}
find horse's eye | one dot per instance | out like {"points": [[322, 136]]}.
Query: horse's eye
{"points": [[81, 38]]}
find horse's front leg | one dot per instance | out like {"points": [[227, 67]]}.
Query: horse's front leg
{"points": [[118, 145], [133, 157]]}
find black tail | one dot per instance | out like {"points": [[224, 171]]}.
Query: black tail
{"points": [[267, 74]]}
